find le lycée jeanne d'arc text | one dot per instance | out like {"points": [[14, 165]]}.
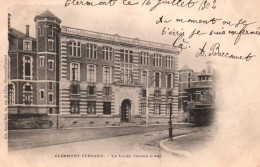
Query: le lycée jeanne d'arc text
{"points": [[153, 4]]}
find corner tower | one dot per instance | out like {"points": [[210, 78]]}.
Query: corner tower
{"points": [[47, 37]]}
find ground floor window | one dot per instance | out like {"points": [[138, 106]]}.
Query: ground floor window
{"points": [[143, 108], [157, 109], [50, 110], [107, 108], [74, 107], [91, 107]]}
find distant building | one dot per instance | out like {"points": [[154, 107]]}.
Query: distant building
{"points": [[76, 77], [197, 94]]}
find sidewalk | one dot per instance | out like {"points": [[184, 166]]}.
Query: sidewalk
{"points": [[185, 144]]}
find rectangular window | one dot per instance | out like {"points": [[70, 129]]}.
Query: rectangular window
{"points": [[106, 91], [143, 108], [91, 73], [74, 107], [51, 64], [42, 94], [75, 72], [50, 44], [91, 90], [144, 77], [27, 45], [74, 89], [91, 107], [127, 56], [50, 85], [75, 49], [144, 58], [157, 79], [27, 98], [51, 111], [157, 60], [50, 31], [169, 61], [27, 66], [41, 61], [107, 53], [91, 51], [40, 30], [157, 109], [107, 75], [169, 81], [157, 94], [50, 97], [107, 108], [143, 93]]}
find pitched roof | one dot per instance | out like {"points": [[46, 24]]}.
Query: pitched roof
{"points": [[19, 34], [185, 68], [47, 14]]}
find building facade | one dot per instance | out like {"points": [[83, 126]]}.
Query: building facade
{"points": [[72, 77], [197, 94]]}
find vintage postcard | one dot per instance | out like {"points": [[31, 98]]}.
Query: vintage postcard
{"points": [[130, 83]]}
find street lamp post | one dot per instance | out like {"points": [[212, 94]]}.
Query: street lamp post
{"points": [[57, 112], [170, 125]]}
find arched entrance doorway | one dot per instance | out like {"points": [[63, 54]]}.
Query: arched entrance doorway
{"points": [[125, 110]]}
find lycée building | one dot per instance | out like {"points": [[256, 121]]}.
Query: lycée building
{"points": [[77, 77]]}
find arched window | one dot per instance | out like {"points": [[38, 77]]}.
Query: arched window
{"points": [[27, 94], [11, 93]]}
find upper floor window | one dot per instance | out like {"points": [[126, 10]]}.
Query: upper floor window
{"points": [[168, 109], [27, 45], [144, 78], [11, 93], [126, 76], [75, 71], [107, 91], [91, 90], [91, 73], [27, 61], [50, 31], [41, 94], [40, 30], [107, 75], [75, 49], [41, 61], [51, 97], [169, 80], [50, 44], [51, 64], [74, 89], [143, 92], [157, 94], [169, 61], [157, 60], [107, 53], [91, 51], [144, 58], [127, 56], [157, 79]]}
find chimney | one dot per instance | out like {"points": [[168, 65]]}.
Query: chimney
{"points": [[27, 30], [9, 21]]}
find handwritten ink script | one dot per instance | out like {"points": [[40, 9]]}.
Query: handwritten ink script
{"points": [[238, 29], [216, 27], [201, 5]]}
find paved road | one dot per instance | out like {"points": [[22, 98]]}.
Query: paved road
{"points": [[137, 147], [26, 139]]}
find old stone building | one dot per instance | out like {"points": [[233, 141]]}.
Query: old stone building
{"points": [[77, 77]]}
